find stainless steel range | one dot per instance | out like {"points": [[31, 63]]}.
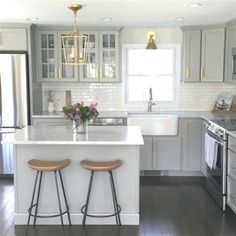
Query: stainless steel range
{"points": [[216, 177]]}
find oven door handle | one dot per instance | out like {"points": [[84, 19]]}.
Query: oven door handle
{"points": [[217, 139]]}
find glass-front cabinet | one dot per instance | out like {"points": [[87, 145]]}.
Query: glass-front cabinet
{"points": [[52, 65], [89, 71], [109, 56], [48, 56], [103, 58], [66, 72]]}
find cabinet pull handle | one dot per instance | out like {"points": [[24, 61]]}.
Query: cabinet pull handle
{"points": [[233, 168], [59, 73], [233, 197], [201, 73], [187, 73], [0, 39], [55, 71]]}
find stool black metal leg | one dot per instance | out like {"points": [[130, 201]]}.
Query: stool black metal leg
{"points": [[63, 189], [32, 200], [114, 190], [58, 197], [88, 196], [113, 198], [37, 202]]}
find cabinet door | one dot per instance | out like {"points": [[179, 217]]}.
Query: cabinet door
{"points": [[146, 154], [212, 59], [13, 39], [191, 55], [66, 72], [109, 56], [191, 130], [166, 153], [230, 43], [48, 54], [89, 72]]}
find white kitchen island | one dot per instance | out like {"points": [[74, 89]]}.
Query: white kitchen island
{"points": [[99, 144]]}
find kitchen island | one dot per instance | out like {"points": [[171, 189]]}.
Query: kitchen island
{"points": [[98, 144]]}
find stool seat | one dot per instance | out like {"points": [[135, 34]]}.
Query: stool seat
{"points": [[48, 165], [101, 165]]}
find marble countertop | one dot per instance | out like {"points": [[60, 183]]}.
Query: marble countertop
{"points": [[206, 115], [98, 135]]}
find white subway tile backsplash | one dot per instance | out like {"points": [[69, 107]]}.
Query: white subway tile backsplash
{"points": [[111, 96]]}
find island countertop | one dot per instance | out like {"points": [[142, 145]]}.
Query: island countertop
{"points": [[98, 135]]}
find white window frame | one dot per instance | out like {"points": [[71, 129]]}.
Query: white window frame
{"points": [[176, 82]]}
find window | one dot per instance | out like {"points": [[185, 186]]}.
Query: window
{"points": [[147, 69]]}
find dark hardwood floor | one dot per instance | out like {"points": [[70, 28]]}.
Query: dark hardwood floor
{"points": [[166, 209]]}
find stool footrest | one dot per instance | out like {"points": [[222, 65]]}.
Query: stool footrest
{"points": [[46, 216], [101, 216]]}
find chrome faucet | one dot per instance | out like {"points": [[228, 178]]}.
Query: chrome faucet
{"points": [[150, 102]]}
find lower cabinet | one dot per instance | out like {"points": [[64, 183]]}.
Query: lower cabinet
{"points": [[191, 132], [231, 174], [166, 153], [174, 153], [146, 154], [160, 153]]}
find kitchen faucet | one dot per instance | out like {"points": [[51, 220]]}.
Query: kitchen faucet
{"points": [[150, 102]]}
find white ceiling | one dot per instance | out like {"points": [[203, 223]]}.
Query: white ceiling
{"points": [[124, 13]]}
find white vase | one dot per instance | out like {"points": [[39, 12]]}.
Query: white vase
{"points": [[80, 128]]}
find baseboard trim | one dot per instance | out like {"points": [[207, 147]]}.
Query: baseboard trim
{"points": [[76, 219], [145, 180]]}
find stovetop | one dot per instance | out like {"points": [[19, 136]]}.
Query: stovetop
{"points": [[228, 124]]}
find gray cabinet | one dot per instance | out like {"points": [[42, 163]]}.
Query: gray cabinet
{"points": [[166, 153], [231, 174], [181, 153], [103, 58], [13, 39], [203, 55], [146, 154], [212, 56], [191, 55], [109, 56], [51, 63], [230, 43], [191, 132], [156, 153]]}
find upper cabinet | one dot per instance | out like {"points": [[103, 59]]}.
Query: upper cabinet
{"points": [[203, 55], [191, 55], [13, 39], [109, 56], [103, 58], [212, 56], [230, 73]]}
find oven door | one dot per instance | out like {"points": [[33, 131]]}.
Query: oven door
{"points": [[217, 176]]}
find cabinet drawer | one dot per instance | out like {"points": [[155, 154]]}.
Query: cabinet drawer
{"points": [[231, 193], [232, 144], [232, 164]]}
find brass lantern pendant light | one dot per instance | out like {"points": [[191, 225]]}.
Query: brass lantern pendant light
{"points": [[75, 45], [151, 36]]}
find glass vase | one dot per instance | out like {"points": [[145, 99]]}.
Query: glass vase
{"points": [[80, 127]]}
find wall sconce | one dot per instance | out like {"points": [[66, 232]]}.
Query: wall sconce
{"points": [[151, 36]]}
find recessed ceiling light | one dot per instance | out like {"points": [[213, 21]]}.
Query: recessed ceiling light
{"points": [[106, 19], [192, 5], [32, 18], [180, 18]]}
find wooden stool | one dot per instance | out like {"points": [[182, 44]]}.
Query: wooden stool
{"points": [[40, 167], [101, 166]]}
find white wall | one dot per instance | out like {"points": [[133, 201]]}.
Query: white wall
{"points": [[190, 96]]}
